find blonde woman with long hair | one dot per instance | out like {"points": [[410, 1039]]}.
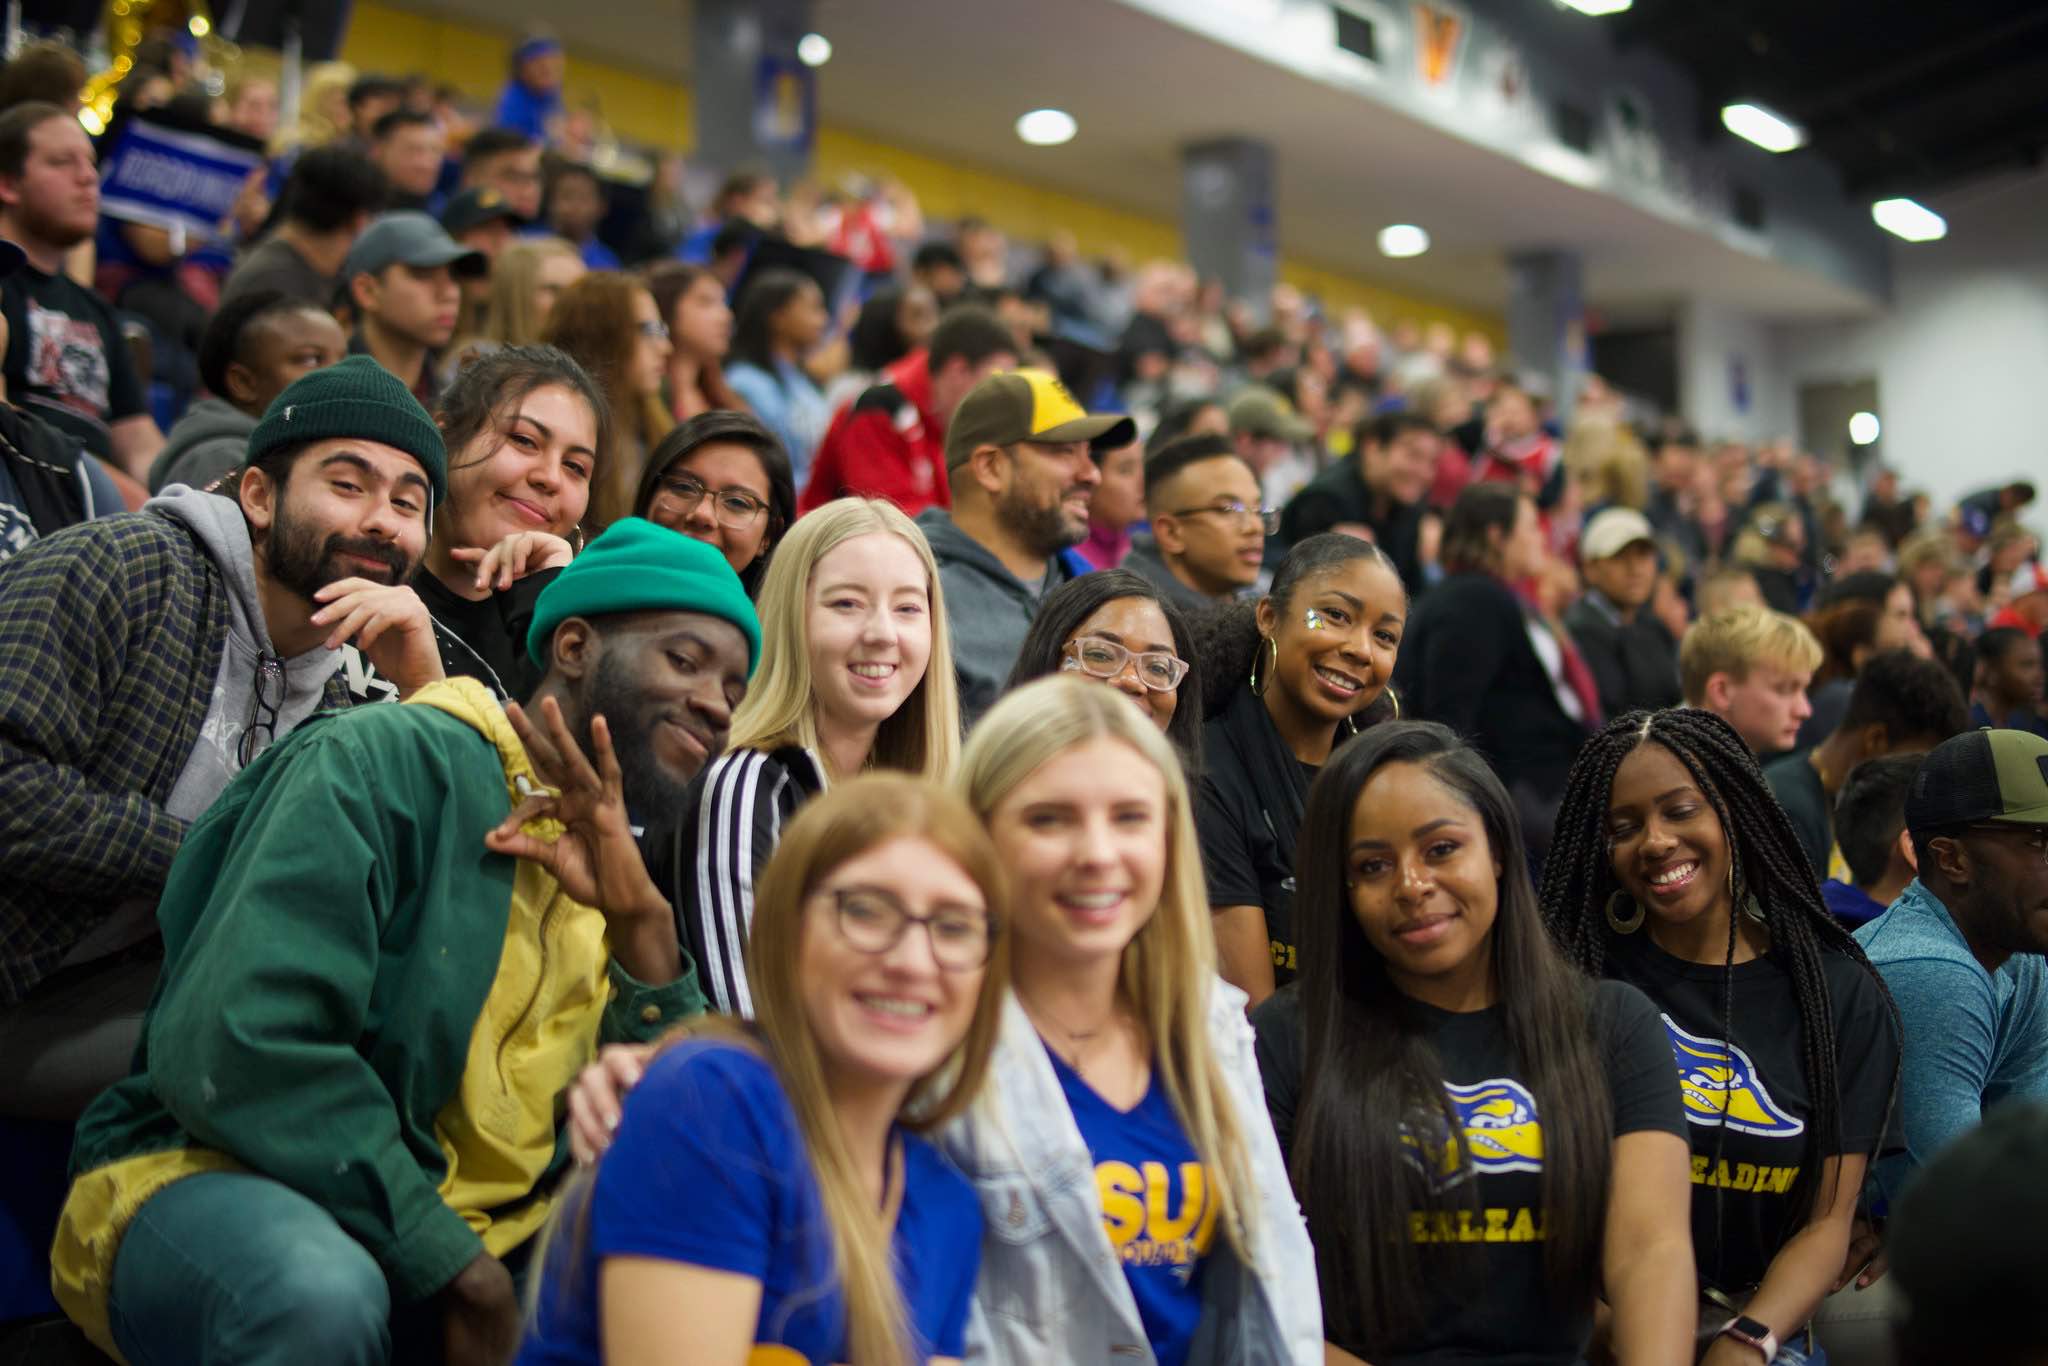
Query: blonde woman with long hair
{"points": [[1124, 1125], [1139, 1207], [854, 621], [767, 1194], [525, 280]]}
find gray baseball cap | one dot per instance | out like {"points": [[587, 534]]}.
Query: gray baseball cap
{"points": [[411, 239]]}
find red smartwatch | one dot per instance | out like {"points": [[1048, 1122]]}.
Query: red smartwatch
{"points": [[1750, 1333]]}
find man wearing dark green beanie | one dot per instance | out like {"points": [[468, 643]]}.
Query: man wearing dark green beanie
{"points": [[391, 946], [146, 657]]}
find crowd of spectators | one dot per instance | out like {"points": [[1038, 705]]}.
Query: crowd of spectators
{"points": [[721, 552]]}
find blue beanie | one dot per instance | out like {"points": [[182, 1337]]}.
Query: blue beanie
{"points": [[637, 566]]}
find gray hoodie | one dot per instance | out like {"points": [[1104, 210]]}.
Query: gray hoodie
{"points": [[218, 523], [988, 609], [208, 441]]}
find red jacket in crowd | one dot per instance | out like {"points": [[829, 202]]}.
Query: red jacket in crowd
{"points": [[887, 443]]}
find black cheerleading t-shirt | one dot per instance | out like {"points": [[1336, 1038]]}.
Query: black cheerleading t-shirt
{"points": [[1747, 1104], [1247, 816], [1503, 1312]]}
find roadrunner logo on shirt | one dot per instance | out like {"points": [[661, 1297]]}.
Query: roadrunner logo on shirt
{"points": [[1501, 1132], [1720, 1084]]}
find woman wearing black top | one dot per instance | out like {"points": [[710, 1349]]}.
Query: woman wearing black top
{"points": [[1482, 1138], [523, 427], [1675, 870], [1482, 659], [1286, 681]]}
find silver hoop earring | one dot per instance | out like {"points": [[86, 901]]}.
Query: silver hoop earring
{"points": [[1624, 924]]}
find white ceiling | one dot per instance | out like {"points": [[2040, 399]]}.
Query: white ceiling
{"points": [[949, 77]]}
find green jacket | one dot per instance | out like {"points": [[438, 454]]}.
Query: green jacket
{"points": [[363, 1002]]}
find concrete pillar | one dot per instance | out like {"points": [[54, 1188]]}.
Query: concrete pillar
{"points": [[1227, 216], [754, 103], [1546, 323]]}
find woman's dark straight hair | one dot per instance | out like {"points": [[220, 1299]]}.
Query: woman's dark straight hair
{"points": [[1372, 1076], [1479, 509], [741, 429], [1044, 649], [1769, 869], [1228, 638], [753, 331]]}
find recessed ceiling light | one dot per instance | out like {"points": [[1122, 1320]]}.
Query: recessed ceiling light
{"points": [[1760, 126], [814, 49], [1597, 8], [1047, 127], [1904, 218], [1403, 239], [1863, 428]]}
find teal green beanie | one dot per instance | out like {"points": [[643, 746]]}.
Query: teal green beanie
{"points": [[354, 397], [636, 566]]}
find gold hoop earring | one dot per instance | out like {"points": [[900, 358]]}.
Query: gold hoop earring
{"points": [[579, 538], [1396, 698], [1624, 924], [1259, 684]]}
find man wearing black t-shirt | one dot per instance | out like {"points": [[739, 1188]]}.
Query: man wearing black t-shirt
{"points": [[65, 358], [1381, 490]]}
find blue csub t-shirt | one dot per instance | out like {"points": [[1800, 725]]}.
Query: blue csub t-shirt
{"points": [[709, 1168], [1155, 1206]]}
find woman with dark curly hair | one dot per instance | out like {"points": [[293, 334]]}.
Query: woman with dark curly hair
{"points": [[1287, 679], [1675, 870]]}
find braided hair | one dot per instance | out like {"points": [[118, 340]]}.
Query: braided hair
{"points": [[1770, 875]]}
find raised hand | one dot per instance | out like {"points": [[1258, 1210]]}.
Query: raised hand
{"points": [[514, 558], [388, 623]]}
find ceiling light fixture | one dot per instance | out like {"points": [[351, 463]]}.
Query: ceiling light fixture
{"points": [[814, 49], [1598, 9], [1403, 239], [1904, 218], [1760, 126], [1047, 127], [1863, 428]]}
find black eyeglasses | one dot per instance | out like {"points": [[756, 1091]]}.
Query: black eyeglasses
{"points": [[875, 921], [262, 725], [1268, 518], [734, 508], [1099, 658]]}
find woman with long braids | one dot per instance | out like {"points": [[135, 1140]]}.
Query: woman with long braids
{"points": [[1482, 1137], [1675, 870], [1285, 681]]}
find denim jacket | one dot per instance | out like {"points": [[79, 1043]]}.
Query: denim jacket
{"points": [[1051, 1288]]}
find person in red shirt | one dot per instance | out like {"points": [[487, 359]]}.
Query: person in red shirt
{"points": [[2026, 608], [890, 441]]}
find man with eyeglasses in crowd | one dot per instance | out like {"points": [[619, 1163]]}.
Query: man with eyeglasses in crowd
{"points": [[146, 658], [1019, 459], [1208, 533]]}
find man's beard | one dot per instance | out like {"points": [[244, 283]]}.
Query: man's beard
{"points": [[650, 788], [302, 561], [1045, 530], [44, 227]]}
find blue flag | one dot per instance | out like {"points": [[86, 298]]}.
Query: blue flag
{"points": [[171, 178]]}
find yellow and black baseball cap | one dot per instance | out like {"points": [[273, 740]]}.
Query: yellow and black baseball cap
{"points": [[1028, 405], [1981, 775]]}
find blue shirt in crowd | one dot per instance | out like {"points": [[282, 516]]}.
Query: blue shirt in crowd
{"points": [[1155, 1205], [1851, 906], [709, 1168], [1973, 1038], [788, 404]]}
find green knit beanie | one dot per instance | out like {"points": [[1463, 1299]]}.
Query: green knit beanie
{"points": [[354, 397], [637, 566]]}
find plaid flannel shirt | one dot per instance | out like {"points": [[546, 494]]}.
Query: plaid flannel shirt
{"points": [[111, 636]]}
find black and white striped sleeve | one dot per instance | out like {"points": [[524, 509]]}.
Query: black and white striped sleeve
{"points": [[745, 800]]}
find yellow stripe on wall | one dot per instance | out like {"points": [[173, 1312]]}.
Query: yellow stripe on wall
{"points": [[656, 113]]}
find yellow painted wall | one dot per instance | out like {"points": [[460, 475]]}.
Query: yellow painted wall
{"points": [[656, 113]]}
